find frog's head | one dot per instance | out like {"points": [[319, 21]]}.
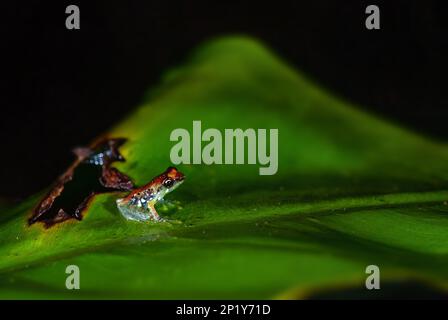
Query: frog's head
{"points": [[171, 179]]}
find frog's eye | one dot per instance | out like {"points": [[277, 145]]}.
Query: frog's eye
{"points": [[168, 183]]}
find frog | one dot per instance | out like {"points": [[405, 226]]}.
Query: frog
{"points": [[139, 204]]}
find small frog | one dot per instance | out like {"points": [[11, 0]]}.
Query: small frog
{"points": [[139, 205]]}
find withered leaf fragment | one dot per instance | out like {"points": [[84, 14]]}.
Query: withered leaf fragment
{"points": [[91, 173]]}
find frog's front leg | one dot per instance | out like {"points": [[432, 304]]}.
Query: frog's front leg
{"points": [[138, 212], [153, 213]]}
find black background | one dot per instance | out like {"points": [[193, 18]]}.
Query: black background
{"points": [[61, 88]]}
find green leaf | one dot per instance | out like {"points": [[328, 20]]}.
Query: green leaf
{"points": [[351, 190]]}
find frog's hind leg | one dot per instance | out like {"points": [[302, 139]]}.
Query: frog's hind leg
{"points": [[136, 213], [132, 212]]}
